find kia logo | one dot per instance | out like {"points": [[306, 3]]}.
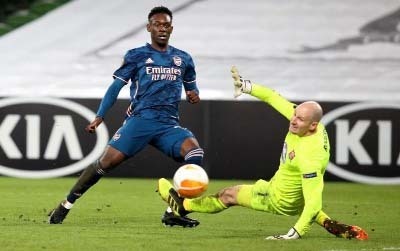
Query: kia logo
{"points": [[44, 137], [365, 141]]}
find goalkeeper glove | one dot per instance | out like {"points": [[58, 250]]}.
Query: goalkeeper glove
{"points": [[291, 235], [240, 85]]}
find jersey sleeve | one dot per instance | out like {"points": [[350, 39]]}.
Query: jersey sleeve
{"points": [[110, 97], [312, 168], [274, 99], [312, 184], [127, 69], [189, 79]]}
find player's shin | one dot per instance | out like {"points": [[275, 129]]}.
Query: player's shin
{"points": [[206, 204], [321, 217], [90, 176]]}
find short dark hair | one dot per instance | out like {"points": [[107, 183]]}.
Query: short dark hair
{"points": [[159, 9]]}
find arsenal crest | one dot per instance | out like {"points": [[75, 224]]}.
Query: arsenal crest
{"points": [[177, 60]]}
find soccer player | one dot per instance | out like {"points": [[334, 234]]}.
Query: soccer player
{"points": [[295, 189], [157, 72]]}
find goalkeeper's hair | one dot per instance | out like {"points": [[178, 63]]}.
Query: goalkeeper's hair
{"points": [[158, 10]]}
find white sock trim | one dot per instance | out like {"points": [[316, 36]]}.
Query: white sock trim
{"points": [[67, 204]]}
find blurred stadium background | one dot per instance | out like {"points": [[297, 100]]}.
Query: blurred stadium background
{"points": [[344, 54]]}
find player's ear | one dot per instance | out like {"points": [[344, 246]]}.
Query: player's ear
{"points": [[148, 27], [313, 126]]}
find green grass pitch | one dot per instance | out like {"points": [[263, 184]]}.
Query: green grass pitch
{"points": [[124, 214]]}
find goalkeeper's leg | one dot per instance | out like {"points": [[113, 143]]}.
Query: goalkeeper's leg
{"points": [[175, 214], [183, 206], [340, 229], [191, 154]]}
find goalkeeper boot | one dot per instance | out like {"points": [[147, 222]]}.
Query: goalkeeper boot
{"points": [[178, 216], [170, 219], [58, 214], [169, 195], [163, 188], [176, 203], [345, 231]]}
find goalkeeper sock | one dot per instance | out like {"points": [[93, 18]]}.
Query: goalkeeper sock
{"points": [[88, 178], [321, 217], [206, 204]]}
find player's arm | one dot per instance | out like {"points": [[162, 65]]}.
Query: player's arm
{"points": [[110, 97], [189, 82], [106, 103], [312, 186], [265, 94], [121, 78], [192, 96]]}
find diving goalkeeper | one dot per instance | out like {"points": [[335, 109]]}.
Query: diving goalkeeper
{"points": [[295, 189]]}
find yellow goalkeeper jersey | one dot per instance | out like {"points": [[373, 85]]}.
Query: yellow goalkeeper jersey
{"points": [[296, 188]]}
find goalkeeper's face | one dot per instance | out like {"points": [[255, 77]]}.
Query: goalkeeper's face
{"points": [[160, 28], [303, 121]]}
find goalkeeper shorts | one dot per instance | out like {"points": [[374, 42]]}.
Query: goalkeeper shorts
{"points": [[256, 197]]}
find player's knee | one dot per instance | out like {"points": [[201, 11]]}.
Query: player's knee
{"points": [[110, 159], [98, 167], [194, 156], [106, 165], [228, 196]]}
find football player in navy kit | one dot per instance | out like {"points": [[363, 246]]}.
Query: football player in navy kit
{"points": [[156, 73]]}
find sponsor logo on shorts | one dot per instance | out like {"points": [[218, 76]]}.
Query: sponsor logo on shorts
{"points": [[116, 136]]}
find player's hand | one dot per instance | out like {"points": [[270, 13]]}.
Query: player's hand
{"points": [[240, 85], [91, 128], [291, 235], [192, 97]]}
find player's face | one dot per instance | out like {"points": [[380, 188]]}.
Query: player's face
{"points": [[160, 28], [301, 122]]}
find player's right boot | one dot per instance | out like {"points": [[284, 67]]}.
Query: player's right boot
{"points": [[170, 219], [58, 214], [345, 231], [178, 216]]}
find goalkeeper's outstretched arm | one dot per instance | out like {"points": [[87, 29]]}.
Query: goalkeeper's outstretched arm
{"points": [[269, 96]]}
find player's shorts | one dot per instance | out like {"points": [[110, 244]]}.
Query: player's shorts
{"points": [[256, 197], [137, 132]]}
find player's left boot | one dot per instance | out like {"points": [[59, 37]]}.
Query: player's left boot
{"points": [[58, 214], [345, 231]]}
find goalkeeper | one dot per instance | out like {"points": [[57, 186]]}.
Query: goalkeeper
{"points": [[295, 189]]}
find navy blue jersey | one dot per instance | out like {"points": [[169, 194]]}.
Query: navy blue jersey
{"points": [[156, 80]]}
